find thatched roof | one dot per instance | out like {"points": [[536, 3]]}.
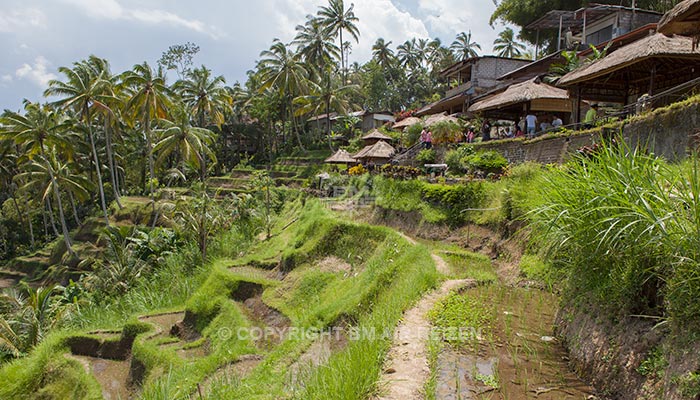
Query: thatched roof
{"points": [[437, 118], [653, 46], [404, 123], [374, 134], [340, 157], [380, 149], [522, 92], [683, 19]]}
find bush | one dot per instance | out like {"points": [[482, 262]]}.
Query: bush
{"points": [[485, 162], [357, 170], [446, 132], [453, 199], [413, 134], [453, 158], [426, 156]]}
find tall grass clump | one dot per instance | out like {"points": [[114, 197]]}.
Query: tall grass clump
{"points": [[624, 228]]}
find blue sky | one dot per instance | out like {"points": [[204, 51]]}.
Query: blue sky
{"points": [[38, 36]]}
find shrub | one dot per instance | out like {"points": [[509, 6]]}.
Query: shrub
{"points": [[446, 132], [426, 156], [453, 158], [413, 134], [357, 170], [485, 162], [453, 199]]}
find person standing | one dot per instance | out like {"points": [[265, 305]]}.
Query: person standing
{"points": [[531, 123], [423, 138], [486, 131], [470, 135], [591, 117], [429, 140]]}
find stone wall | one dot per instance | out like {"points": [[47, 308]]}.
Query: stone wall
{"points": [[666, 132]]}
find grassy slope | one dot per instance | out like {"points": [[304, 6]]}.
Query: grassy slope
{"points": [[387, 275]]}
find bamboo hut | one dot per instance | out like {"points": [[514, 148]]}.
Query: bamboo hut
{"points": [[519, 99], [405, 123], [375, 136], [340, 157], [376, 154], [648, 66], [684, 19]]}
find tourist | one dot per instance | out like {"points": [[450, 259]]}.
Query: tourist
{"points": [[519, 131], [486, 131], [429, 140], [470, 135], [531, 123], [423, 138], [557, 122], [591, 117]]}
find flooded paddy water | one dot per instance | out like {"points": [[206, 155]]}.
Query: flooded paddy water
{"points": [[514, 357]]}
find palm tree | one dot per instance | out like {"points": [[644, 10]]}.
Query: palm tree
{"points": [[38, 128], [283, 70], [205, 95], [463, 47], [328, 95], [148, 101], [383, 53], [408, 54], [337, 19], [38, 175], [315, 44], [506, 45], [190, 143], [84, 91]]}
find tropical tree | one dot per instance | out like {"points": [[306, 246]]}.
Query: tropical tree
{"points": [[205, 95], [337, 19], [463, 47], [409, 55], [315, 45], [506, 45], [191, 144], [283, 71], [383, 53], [41, 127], [148, 101], [85, 91]]}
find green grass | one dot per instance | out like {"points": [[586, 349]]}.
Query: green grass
{"points": [[461, 312], [470, 265]]}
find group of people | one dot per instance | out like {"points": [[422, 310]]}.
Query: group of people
{"points": [[532, 124]]}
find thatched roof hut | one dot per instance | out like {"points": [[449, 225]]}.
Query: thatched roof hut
{"points": [[378, 153], [529, 95], [649, 65], [438, 118], [375, 136], [405, 123], [341, 157], [683, 19]]}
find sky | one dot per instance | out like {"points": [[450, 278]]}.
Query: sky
{"points": [[38, 36]]}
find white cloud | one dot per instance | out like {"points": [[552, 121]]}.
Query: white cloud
{"points": [[112, 9], [37, 72], [377, 18], [17, 20], [6, 78]]}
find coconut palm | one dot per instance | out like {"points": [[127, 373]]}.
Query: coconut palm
{"points": [[506, 45], [283, 71], [463, 47], [382, 53], [191, 144], [315, 44], [337, 19], [39, 128], [38, 174], [86, 92], [205, 95], [148, 101], [408, 54]]}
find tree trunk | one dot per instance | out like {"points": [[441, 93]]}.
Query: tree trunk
{"points": [[342, 58], [49, 210], [103, 203], [59, 204], [149, 149], [294, 123], [31, 227], [111, 163], [72, 204]]}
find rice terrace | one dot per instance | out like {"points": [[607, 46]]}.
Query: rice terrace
{"points": [[378, 200]]}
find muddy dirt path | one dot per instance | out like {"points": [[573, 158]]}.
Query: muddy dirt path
{"points": [[406, 369]]}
